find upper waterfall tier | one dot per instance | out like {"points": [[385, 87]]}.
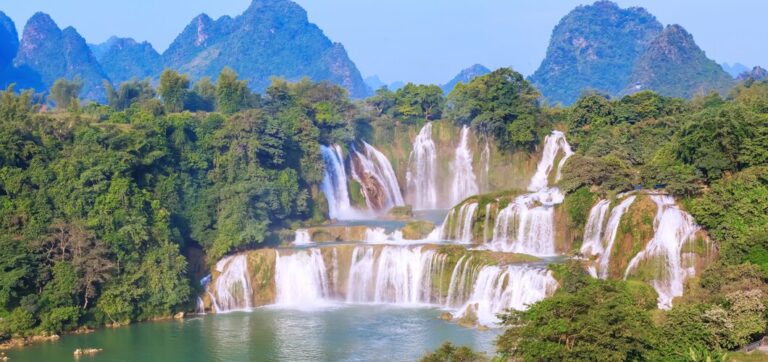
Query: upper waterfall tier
{"points": [[421, 176], [464, 182], [334, 184], [373, 171], [554, 145]]}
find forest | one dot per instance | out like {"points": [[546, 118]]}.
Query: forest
{"points": [[107, 210]]}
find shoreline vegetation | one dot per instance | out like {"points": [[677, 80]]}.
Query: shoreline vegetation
{"points": [[111, 213]]}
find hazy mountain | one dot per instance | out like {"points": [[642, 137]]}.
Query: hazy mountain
{"points": [[465, 76], [673, 65], [271, 38], [594, 47], [51, 53], [125, 59], [99, 50], [735, 70], [9, 41], [374, 82], [757, 73]]}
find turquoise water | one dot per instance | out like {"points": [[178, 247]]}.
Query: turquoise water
{"points": [[350, 333]]}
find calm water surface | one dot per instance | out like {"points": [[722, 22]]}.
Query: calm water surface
{"points": [[349, 333]]}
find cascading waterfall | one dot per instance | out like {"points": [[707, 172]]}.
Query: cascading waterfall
{"points": [[499, 288], [397, 275], [673, 228], [401, 275], [375, 173], [609, 236], [233, 288], [458, 225], [553, 145], [526, 225], [302, 238], [421, 178], [381, 236], [334, 184], [593, 230], [485, 161], [464, 182], [301, 279]]}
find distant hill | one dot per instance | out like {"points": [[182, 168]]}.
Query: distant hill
{"points": [[465, 76], [615, 51], [374, 83], [594, 47], [757, 73], [124, 59], [673, 65], [271, 38], [50, 53], [735, 69]]}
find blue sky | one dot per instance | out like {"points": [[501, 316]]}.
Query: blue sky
{"points": [[426, 41]]}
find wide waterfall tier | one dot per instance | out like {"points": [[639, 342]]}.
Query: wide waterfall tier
{"points": [[464, 182], [421, 177], [377, 179], [621, 242], [334, 184], [472, 284]]}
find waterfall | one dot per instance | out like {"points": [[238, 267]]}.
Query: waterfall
{"points": [[397, 275], [422, 171], [334, 184], [526, 225], [486, 223], [375, 174], [499, 288], [302, 238], [380, 236], [485, 160], [553, 145], [400, 275], [199, 306], [233, 287], [609, 237], [593, 230], [301, 279], [464, 183], [673, 228], [458, 225]]}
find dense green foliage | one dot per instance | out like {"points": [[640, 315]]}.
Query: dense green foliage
{"points": [[450, 353], [501, 104], [99, 204]]}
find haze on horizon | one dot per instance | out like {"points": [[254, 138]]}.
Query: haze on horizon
{"points": [[426, 42]]}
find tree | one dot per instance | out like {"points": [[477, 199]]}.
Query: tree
{"points": [[129, 93], [450, 353], [232, 94], [502, 104], [419, 101], [597, 321], [173, 90], [65, 93], [203, 96]]}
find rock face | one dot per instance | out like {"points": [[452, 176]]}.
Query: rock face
{"points": [[465, 76], [124, 59], [673, 65], [9, 41], [271, 38], [50, 53], [594, 47]]}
